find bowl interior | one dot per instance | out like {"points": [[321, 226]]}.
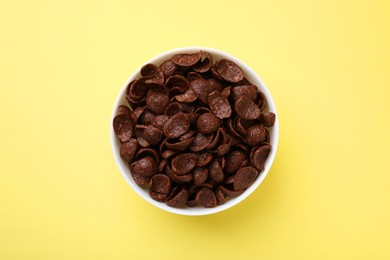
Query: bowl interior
{"points": [[274, 133]]}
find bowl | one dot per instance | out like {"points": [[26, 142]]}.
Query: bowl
{"points": [[196, 211]]}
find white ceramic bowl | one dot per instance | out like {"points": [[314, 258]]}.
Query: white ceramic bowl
{"points": [[196, 211]]}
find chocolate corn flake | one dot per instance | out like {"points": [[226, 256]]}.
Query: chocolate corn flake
{"points": [[191, 76], [152, 74], [215, 170], [247, 90], [137, 112], [200, 142], [229, 191], [246, 108], [146, 117], [123, 127], [186, 59], [176, 126], [226, 92], [177, 178], [267, 119], [177, 144], [177, 81], [178, 197], [204, 159], [219, 105], [157, 102], [195, 132], [229, 71], [244, 178], [220, 196], [200, 175], [187, 97], [138, 90], [159, 187], [255, 135], [144, 152], [146, 167], [215, 84], [205, 62], [187, 135], [140, 180], [234, 160], [260, 155], [202, 89], [184, 163], [152, 135], [168, 153], [206, 198], [124, 110], [160, 121], [208, 123], [128, 150], [168, 68]]}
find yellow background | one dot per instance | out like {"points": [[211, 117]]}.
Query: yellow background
{"points": [[327, 64]]}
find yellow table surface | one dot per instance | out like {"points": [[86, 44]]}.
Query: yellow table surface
{"points": [[326, 63]]}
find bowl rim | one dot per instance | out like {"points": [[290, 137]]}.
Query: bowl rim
{"points": [[197, 211]]}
